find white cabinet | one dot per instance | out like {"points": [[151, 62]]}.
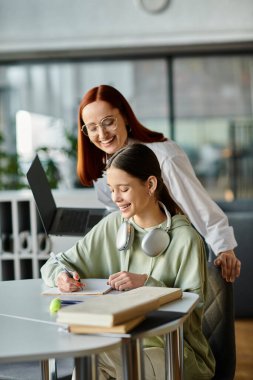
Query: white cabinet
{"points": [[24, 246]]}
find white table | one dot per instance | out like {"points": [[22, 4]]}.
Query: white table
{"points": [[22, 302], [35, 335], [26, 340]]}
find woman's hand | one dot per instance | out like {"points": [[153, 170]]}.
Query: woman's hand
{"points": [[230, 265], [126, 280], [65, 283]]}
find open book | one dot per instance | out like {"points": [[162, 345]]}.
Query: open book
{"points": [[93, 286], [113, 310]]}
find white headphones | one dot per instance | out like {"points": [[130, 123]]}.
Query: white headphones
{"points": [[154, 243]]}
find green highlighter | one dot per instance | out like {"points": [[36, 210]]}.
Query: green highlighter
{"points": [[55, 305]]}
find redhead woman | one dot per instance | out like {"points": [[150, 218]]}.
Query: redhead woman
{"points": [[106, 123]]}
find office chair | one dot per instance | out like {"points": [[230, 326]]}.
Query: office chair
{"points": [[218, 323]]}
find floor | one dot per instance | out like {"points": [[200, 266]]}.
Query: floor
{"points": [[244, 349], [32, 371]]}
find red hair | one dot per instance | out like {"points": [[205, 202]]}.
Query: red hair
{"points": [[90, 159]]}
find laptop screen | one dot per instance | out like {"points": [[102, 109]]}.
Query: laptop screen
{"points": [[44, 200]]}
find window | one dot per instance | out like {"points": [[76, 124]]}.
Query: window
{"points": [[211, 118], [213, 121], [43, 101]]}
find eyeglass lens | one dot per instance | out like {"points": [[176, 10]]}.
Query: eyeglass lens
{"points": [[107, 122]]}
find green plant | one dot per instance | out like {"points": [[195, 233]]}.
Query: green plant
{"points": [[11, 174], [50, 167], [71, 151]]}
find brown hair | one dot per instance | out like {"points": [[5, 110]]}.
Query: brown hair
{"points": [[90, 159], [140, 161]]}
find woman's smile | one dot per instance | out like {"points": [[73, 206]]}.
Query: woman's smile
{"points": [[105, 139]]}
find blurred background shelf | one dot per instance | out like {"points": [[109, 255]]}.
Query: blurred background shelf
{"points": [[24, 245]]}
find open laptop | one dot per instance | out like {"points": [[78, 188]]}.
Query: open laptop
{"points": [[59, 220]]}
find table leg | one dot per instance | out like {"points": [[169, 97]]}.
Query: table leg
{"points": [[94, 364], [169, 373], [132, 359], [48, 369], [173, 354], [181, 350], [44, 368], [140, 359], [126, 355], [83, 368]]}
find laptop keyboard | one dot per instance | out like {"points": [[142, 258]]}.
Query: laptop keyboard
{"points": [[79, 221], [74, 221]]}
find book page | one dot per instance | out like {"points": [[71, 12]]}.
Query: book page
{"points": [[93, 286]]}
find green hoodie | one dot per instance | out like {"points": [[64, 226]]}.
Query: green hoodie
{"points": [[182, 265]]}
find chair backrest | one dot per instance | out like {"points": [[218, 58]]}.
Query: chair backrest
{"points": [[218, 323], [240, 216]]}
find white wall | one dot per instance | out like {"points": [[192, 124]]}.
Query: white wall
{"points": [[88, 26]]}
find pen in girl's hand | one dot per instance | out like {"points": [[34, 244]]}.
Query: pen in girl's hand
{"points": [[69, 271]]}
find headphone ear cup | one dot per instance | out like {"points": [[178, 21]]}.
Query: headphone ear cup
{"points": [[155, 242], [125, 236]]}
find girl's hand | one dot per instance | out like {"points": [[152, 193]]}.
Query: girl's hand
{"points": [[65, 283], [126, 280]]}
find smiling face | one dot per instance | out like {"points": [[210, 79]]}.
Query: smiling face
{"points": [[108, 140], [131, 195]]}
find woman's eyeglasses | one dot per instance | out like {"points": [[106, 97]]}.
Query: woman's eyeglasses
{"points": [[109, 123]]}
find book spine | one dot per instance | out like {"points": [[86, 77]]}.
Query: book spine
{"points": [[134, 311], [170, 297], [86, 319]]}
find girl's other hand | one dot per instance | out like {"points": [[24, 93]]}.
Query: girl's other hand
{"points": [[126, 280]]}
